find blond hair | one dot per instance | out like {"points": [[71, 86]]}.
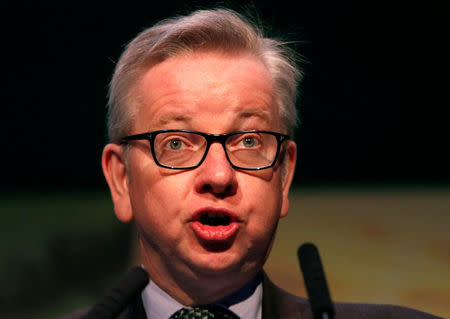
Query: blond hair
{"points": [[218, 29]]}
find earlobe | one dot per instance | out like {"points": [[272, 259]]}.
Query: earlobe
{"points": [[290, 159], [114, 169]]}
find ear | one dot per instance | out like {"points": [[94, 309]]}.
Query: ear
{"points": [[115, 171], [289, 161]]}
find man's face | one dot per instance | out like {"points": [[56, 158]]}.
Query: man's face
{"points": [[212, 93]]}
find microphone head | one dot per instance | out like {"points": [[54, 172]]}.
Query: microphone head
{"points": [[315, 282], [120, 295]]}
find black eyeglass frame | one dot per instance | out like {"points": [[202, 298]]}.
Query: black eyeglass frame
{"points": [[210, 138]]}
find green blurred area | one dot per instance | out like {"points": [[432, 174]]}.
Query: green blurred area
{"points": [[61, 250]]}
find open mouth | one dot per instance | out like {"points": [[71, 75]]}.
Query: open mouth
{"points": [[214, 225], [215, 219]]}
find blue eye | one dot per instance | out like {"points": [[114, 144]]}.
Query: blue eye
{"points": [[249, 141], [175, 144]]}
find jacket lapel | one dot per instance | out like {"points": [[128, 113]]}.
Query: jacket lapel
{"points": [[279, 304], [135, 310]]}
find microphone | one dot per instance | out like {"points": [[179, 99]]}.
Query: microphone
{"points": [[120, 295], [315, 282]]}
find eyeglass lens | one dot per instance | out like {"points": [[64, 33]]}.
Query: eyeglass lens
{"points": [[186, 149]]}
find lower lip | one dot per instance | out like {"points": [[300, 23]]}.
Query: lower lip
{"points": [[215, 233]]}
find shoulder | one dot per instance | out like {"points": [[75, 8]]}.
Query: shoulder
{"points": [[278, 303], [81, 313], [369, 311]]}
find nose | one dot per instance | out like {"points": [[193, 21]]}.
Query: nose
{"points": [[216, 175]]}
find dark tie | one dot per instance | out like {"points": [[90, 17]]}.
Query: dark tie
{"points": [[204, 312]]}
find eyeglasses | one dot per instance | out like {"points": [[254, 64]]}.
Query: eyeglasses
{"points": [[183, 149]]}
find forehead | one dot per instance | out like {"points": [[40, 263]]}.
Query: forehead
{"points": [[205, 85]]}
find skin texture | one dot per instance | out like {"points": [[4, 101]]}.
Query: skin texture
{"points": [[215, 93]]}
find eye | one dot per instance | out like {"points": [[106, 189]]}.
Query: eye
{"points": [[178, 142], [249, 142], [175, 144]]}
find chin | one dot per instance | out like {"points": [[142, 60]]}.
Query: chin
{"points": [[218, 264]]}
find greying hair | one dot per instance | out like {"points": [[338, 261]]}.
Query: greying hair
{"points": [[219, 29]]}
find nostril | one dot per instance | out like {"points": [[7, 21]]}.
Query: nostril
{"points": [[218, 191], [207, 188], [228, 189]]}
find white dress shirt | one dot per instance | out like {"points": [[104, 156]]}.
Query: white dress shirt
{"points": [[246, 302]]}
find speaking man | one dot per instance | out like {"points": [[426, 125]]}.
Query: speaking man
{"points": [[201, 115]]}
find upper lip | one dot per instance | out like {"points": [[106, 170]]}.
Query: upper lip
{"points": [[214, 210]]}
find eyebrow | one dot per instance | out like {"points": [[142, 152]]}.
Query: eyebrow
{"points": [[174, 117], [263, 114]]}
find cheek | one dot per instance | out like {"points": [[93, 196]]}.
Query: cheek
{"points": [[267, 201], [156, 213]]}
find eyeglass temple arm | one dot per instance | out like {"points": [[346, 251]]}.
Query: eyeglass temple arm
{"points": [[143, 136]]}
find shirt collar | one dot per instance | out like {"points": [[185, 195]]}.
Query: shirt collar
{"points": [[246, 302]]}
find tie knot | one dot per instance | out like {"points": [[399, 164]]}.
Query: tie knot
{"points": [[204, 312]]}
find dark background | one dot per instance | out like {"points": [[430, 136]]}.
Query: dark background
{"points": [[378, 110]]}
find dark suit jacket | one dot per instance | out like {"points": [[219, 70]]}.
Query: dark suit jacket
{"points": [[279, 304]]}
